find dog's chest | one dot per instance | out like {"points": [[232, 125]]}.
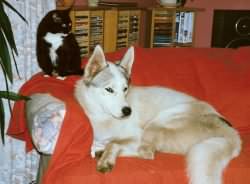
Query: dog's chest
{"points": [[56, 40], [115, 129], [107, 131]]}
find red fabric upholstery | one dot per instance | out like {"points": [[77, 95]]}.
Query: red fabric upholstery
{"points": [[219, 76]]}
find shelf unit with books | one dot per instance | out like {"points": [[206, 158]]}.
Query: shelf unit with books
{"points": [[112, 28], [128, 28], [88, 28], [171, 26]]}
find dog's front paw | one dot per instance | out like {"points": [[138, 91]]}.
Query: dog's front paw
{"points": [[146, 152], [104, 166]]}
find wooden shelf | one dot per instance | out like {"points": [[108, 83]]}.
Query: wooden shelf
{"points": [[171, 26]]}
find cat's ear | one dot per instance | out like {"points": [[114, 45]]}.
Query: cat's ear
{"points": [[56, 17], [95, 64], [69, 6]]}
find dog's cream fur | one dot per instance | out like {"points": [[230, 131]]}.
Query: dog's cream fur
{"points": [[138, 121]]}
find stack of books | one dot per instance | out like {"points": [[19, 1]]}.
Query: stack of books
{"points": [[96, 29], [82, 31], [123, 28]]}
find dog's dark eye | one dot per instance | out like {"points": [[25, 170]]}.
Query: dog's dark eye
{"points": [[110, 90], [125, 89]]}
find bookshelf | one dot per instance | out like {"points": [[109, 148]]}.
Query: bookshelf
{"points": [[112, 28], [171, 27]]}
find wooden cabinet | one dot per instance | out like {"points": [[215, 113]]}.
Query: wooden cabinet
{"points": [[171, 27], [111, 28]]}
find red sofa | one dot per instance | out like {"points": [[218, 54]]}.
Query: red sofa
{"points": [[218, 76]]}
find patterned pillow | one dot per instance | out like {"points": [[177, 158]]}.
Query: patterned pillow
{"points": [[45, 115], [46, 127]]}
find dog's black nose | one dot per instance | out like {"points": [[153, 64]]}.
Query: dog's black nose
{"points": [[126, 111]]}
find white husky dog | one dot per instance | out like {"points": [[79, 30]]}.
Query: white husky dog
{"points": [[138, 121]]}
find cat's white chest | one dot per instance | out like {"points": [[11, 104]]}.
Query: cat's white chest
{"points": [[56, 40]]}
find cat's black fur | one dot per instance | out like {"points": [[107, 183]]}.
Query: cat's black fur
{"points": [[67, 54]]}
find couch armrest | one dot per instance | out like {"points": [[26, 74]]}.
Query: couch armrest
{"points": [[45, 115]]}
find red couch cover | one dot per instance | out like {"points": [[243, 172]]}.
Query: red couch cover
{"points": [[219, 76]]}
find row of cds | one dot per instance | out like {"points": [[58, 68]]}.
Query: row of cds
{"points": [[128, 28], [88, 30], [96, 29], [81, 30], [122, 31], [88, 27]]}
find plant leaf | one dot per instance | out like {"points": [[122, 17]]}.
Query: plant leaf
{"points": [[12, 96], [15, 63], [2, 120], [7, 29], [7, 88], [5, 60], [11, 7], [7, 47]]}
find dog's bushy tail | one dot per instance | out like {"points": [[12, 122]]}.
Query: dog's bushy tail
{"points": [[207, 160]]}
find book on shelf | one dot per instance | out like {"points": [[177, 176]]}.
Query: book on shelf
{"points": [[184, 27], [181, 28], [191, 27], [177, 24]]}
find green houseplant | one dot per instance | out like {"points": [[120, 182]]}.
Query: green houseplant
{"points": [[7, 50]]}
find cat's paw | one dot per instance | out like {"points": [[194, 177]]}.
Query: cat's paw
{"points": [[46, 75], [61, 78]]}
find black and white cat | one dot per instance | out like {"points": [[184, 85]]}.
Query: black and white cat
{"points": [[58, 53]]}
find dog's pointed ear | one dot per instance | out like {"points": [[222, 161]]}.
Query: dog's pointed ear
{"points": [[128, 60], [95, 64]]}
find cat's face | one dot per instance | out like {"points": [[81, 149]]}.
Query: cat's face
{"points": [[60, 21]]}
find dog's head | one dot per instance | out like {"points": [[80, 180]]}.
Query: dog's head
{"points": [[108, 82]]}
